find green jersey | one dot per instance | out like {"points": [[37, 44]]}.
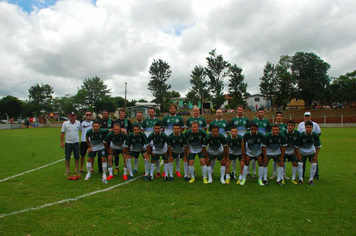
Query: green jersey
{"points": [[195, 140], [168, 121], [242, 124], [253, 143], [96, 138], [215, 145], [263, 125], [116, 141], [177, 143], [234, 144], [136, 143], [223, 126], [201, 121], [158, 142], [148, 125], [282, 126], [307, 144], [138, 123], [273, 143], [291, 141]]}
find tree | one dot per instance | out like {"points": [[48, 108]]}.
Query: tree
{"points": [[217, 70], [11, 106], [41, 96], [268, 84], [342, 89], [105, 103], [310, 73], [199, 92], [237, 88], [93, 89], [160, 73]]}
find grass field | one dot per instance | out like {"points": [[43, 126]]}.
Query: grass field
{"points": [[169, 208]]}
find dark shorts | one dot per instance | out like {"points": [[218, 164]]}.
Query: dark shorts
{"points": [[218, 157], [310, 157], [69, 148], [276, 158], [290, 158], [155, 157], [254, 158], [116, 152], [83, 148], [179, 155], [101, 153], [192, 155], [235, 157], [136, 154]]}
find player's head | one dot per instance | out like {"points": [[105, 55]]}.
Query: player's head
{"points": [[117, 128], [260, 113], [136, 129], [157, 128], [240, 110], [196, 111], [291, 126], [88, 115], [307, 116], [233, 131], [275, 129], [194, 127], [96, 126], [105, 114], [308, 127], [253, 128], [139, 116], [214, 130], [218, 113], [279, 116], [172, 109], [122, 114], [72, 116], [151, 112], [176, 129]]}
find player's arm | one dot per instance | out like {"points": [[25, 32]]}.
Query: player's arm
{"points": [[264, 153], [243, 149], [62, 139], [89, 144], [185, 153]]}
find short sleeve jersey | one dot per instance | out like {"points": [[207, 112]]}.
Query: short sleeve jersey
{"points": [[136, 143], [116, 141], [307, 144], [214, 145], [168, 121], [71, 131], [104, 124], [263, 125], [138, 123], [195, 140], [148, 125], [84, 127], [242, 124], [158, 142], [291, 140], [234, 144], [96, 138], [201, 121], [223, 126], [177, 143], [125, 123], [273, 143], [282, 126], [253, 143]]}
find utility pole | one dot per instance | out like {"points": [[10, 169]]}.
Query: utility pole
{"points": [[125, 94]]}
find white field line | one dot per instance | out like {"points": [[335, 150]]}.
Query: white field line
{"points": [[41, 167], [68, 199]]}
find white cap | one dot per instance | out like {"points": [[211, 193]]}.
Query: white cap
{"points": [[307, 113]]}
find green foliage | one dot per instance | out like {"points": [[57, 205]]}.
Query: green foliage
{"points": [[217, 70], [41, 95], [64, 105], [342, 89], [105, 103], [120, 102], [285, 82], [237, 88], [268, 84], [11, 105], [93, 90], [199, 92], [160, 73]]}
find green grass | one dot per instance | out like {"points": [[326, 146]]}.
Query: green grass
{"points": [[175, 208]]}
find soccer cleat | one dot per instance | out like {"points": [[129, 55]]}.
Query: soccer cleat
{"points": [[134, 171], [166, 178], [265, 182], [146, 178], [124, 177], [286, 177], [233, 176], [70, 177], [273, 177], [192, 180], [150, 178], [129, 177], [227, 181], [280, 182], [238, 181], [254, 176], [186, 178], [171, 178], [104, 181], [157, 175], [311, 182], [242, 182], [249, 176], [283, 182], [300, 182], [76, 177], [210, 180], [163, 174], [205, 180], [294, 182], [109, 177], [222, 180], [178, 174], [260, 183], [87, 177], [316, 177]]}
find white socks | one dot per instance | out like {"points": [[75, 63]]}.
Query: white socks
{"points": [[191, 170], [152, 168], [260, 172], [178, 164], [246, 168], [89, 168], [234, 164], [135, 163], [212, 165], [147, 167], [300, 170], [129, 166], [279, 173], [274, 167], [105, 168], [312, 171], [157, 166], [254, 167], [186, 169], [294, 172], [170, 169]]}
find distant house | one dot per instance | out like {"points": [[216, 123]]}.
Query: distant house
{"points": [[256, 100], [227, 101], [142, 107], [296, 104]]}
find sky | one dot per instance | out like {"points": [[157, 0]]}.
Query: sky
{"points": [[63, 42]]}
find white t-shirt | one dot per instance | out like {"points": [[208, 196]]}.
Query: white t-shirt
{"points": [[316, 127], [71, 131], [84, 127]]}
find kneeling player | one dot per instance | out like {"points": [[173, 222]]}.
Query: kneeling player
{"points": [[234, 145], [177, 147]]}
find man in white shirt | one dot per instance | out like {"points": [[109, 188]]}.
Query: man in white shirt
{"points": [[85, 125]]}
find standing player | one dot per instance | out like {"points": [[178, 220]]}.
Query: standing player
{"points": [[308, 146], [71, 128], [214, 147], [273, 147], [290, 154], [167, 124], [105, 123], [198, 118], [139, 121], [177, 148], [235, 147], [114, 143], [159, 143], [85, 125], [252, 149], [282, 126], [195, 139], [95, 138], [136, 143]]}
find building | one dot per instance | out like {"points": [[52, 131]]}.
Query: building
{"points": [[256, 101], [142, 107]]}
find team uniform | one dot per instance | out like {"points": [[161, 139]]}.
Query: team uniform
{"points": [[159, 144], [200, 120], [177, 146], [116, 142], [289, 154], [263, 125], [105, 124], [223, 126], [242, 124], [195, 145], [282, 126], [168, 121], [136, 145], [138, 123], [148, 125], [235, 151]]}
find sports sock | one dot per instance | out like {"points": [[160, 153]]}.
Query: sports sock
{"points": [[129, 166], [191, 170], [158, 166], [234, 164], [240, 176], [186, 169], [279, 173], [165, 168], [89, 168], [152, 168], [227, 176], [312, 171], [222, 172], [110, 170], [300, 170], [212, 165], [170, 169], [274, 167], [178, 164], [105, 168], [260, 172], [254, 167], [284, 169], [135, 163], [209, 170], [125, 170], [147, 167], [294, 172], [204, 170], [265, 172], [245, 172]]}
